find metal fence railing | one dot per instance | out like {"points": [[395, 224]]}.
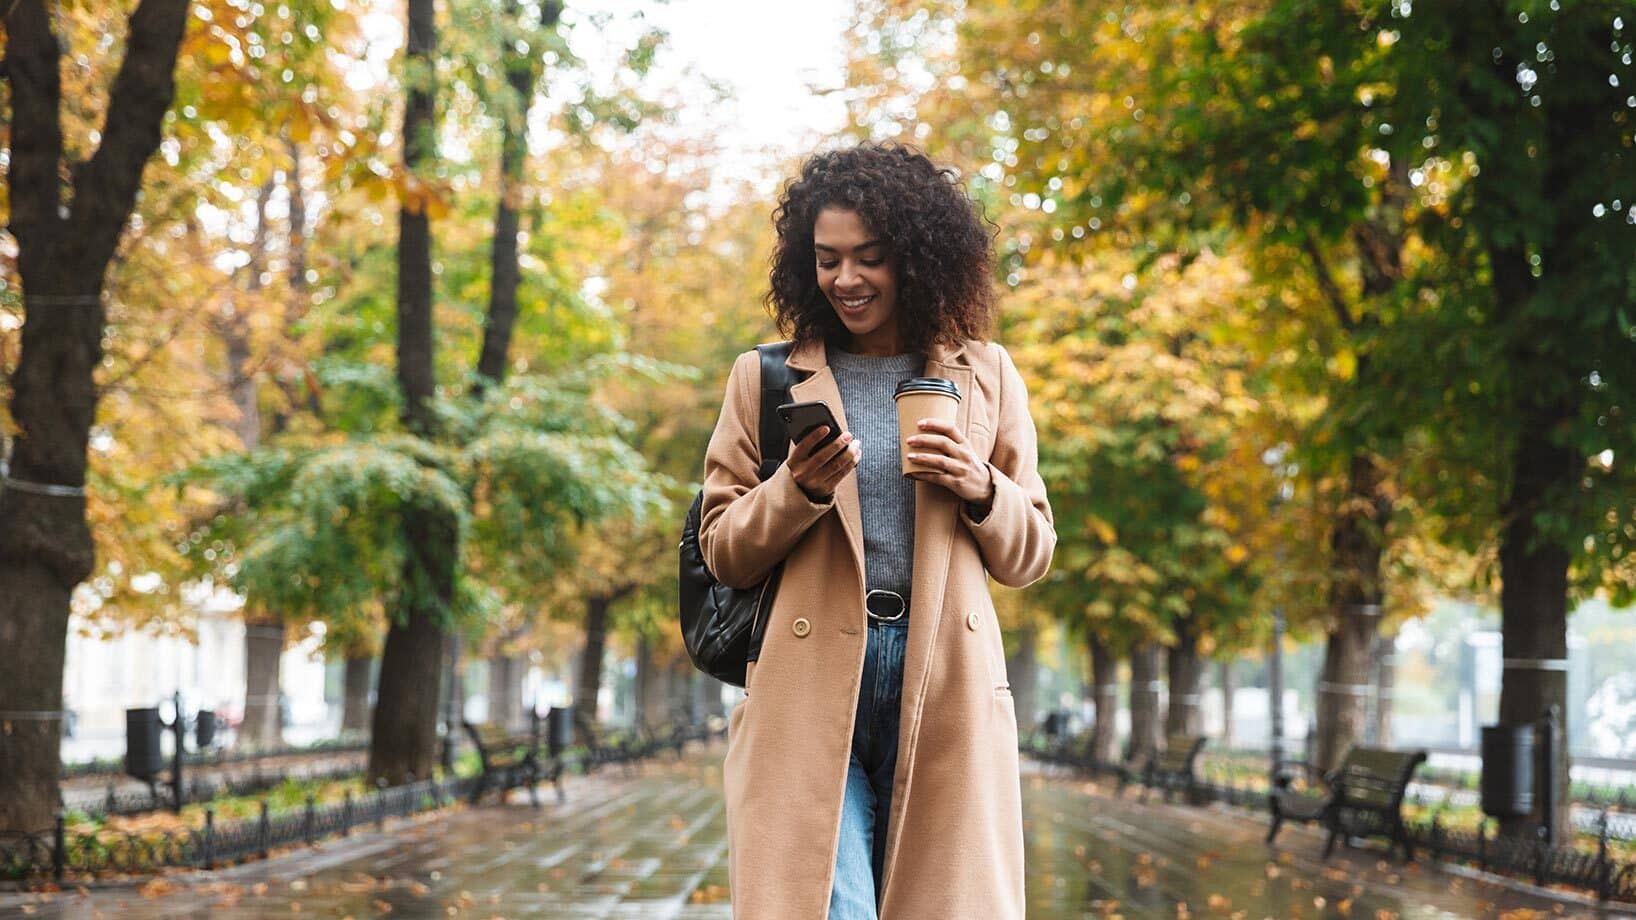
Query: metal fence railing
{"points": [[115, 766], [1594, 869], [114, 801], [62, 851]]}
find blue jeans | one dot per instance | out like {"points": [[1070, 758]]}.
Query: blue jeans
{"points": [[861, 856]]}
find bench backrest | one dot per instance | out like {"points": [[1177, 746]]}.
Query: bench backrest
{"points": [[491, 739], [1375, 778], [1178, 755]]}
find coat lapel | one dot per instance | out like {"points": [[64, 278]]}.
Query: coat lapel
{"points": [[936, 517], [821, 386]]}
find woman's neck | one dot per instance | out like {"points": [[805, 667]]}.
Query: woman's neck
{"points": [[881, 343]]}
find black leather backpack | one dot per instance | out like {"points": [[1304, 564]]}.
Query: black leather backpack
{"points": [[722, 626]]}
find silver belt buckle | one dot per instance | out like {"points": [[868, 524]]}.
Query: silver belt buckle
{"points": [[903, 605]]}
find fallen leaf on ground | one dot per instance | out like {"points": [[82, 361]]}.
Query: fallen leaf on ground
{"points": [[155, 888]]}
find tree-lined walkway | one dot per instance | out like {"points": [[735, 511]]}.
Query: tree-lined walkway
{"points": [[653, 845]]}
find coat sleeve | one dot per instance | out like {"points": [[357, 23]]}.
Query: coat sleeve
{"points": [[1018, 535], [747, 526]]}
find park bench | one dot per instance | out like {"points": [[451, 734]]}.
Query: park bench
{"points": [[1070, 752], [1362, 797], [1171, 769], [671, 736], [605, 746], [509, 760]]}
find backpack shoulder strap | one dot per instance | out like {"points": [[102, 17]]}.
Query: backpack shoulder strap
{"points": [[775, 390]]}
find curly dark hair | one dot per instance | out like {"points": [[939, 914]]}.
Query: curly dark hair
{"points": [[941, 252]]}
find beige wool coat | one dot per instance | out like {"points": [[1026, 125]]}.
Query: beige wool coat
{"points": [[955, 847]]}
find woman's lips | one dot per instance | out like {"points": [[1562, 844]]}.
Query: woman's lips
{"points": [[842, 302]]}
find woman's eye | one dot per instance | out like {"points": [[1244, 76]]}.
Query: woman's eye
{"points": [[872, 262], [827, 264]]}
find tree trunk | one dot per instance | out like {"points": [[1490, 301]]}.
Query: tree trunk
{"points": [[298, 230], [705, 699], [403, 734], [1385, 679], [1548, 393], [1227, 693], [1023, 671], [658, 697], [680, 671], [589, 682], [652, 685], [454, 700], [522, 73], [1105, 697], [1145, 685], [506, 690], [1355, 601], [263, 717], [1185, 672], [1534, 612], [404, 738], [291, 378], [263, 725], [63, 252], [355, 705]]}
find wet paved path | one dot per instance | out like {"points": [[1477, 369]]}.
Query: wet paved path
{"points": [[653, 845]]}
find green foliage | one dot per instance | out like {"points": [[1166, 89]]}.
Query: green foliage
{"points": [[317, 530]]}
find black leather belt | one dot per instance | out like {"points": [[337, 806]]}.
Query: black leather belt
{"points": [[885, 606]]}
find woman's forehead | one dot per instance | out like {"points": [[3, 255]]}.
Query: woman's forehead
{"points": [[841, 229]]}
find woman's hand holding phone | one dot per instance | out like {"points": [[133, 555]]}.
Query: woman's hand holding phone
{"points": [[818, 470]]}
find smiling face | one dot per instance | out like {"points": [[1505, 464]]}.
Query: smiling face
{"points": [[856, 275]]}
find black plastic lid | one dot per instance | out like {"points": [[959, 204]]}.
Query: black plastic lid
{"points": [[927, 385]]}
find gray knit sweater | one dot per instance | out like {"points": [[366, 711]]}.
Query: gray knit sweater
{"points": [[886, 497]]}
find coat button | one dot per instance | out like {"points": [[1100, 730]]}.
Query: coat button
{"points": [[971, 621], [801, 626]]}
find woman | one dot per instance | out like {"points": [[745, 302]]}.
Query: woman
{"points": [[871, 769]]}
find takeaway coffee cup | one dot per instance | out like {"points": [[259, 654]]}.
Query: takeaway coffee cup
{"points": [[918, 398]]}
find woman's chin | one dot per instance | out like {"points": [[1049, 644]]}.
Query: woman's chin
{"points": [[858, 323]]}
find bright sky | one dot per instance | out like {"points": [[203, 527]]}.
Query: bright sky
{"points": [[770, 54]]}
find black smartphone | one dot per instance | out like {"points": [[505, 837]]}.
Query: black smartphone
{"points": [[801, 417]]}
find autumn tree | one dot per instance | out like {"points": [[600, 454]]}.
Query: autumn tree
{"points": [[64, 246], [1141, 322], [1529, 127]]}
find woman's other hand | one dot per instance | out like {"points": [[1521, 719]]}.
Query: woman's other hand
{"points": [[941, 444], [818, 470]]}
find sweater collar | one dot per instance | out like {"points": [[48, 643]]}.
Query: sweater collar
{"points": [[811, 356]]}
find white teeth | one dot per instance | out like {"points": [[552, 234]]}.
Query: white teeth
{"points": [[854, 304]]}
